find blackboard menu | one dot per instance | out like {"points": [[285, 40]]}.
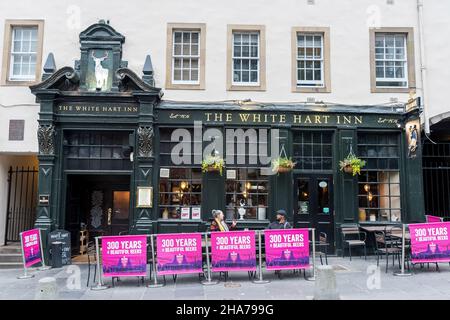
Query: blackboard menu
{"points": [[64, 237]]}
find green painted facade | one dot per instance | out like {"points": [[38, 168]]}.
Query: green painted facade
{"points": [[69, 101]]}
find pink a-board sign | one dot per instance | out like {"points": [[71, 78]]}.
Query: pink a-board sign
{"points": [[432, 219], [430, 242], [31, 247], [124, 256], [179, 253], [233, 251], [287, 249]]}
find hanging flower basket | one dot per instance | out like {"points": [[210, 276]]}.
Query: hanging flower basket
{"points": [[352, 164], [213, 164], [348, 168], [282, 165]]}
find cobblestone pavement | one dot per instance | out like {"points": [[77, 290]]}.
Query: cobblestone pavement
{"points": [[355, 280]]}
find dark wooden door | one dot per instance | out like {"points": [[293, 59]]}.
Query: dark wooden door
{"points": [[313, 204], [115, 208]]}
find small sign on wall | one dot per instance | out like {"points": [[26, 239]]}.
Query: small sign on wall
{"points": [[144, 197], [185, 211], [196, 212], [164, 173], [44, 199], [231, 174]]}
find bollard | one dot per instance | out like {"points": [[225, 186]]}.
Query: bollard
{"points": [[325, 288], [47, 289]]}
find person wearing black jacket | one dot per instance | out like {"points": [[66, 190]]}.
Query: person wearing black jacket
{"points": [[281, 222]]}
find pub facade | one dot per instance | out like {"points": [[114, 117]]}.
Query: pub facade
{"points": [[116, 158]]}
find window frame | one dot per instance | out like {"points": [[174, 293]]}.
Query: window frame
{"points": [[410, 63], [392, 140], [185, 85], [246, 86], [7, 53], [404, 61], [326, 68], [250, 58]]}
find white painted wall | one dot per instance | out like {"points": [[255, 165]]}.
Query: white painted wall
{"points": [[144, 24], [437, 46]]}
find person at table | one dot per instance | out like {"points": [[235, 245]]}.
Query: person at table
{"points": [[219, 224], [281, 221]]}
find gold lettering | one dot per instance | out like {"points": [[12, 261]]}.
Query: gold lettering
{"points": [[229, 117], [347, 119], [217, 117], [358, 119], [317, 119], [326, 118], [273, 117], [282, 118], [208, 114], [244, 116], [256, 117], [308, 119], [297, 118]]}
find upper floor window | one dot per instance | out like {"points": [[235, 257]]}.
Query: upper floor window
{"points": [[311, 59], [185, 60], [392, 60], [246, 58], [186, 56], [23, 51]]}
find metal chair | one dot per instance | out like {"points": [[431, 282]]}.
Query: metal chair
{"points": [[91, 254], [384, 247], [351, 237]]}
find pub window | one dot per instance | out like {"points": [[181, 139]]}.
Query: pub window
{"points": [[247, 194], [312, 150], [97, 150], [166, 146], [379, 182], [180, 192]]}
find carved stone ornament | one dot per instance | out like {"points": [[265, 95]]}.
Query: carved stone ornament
{"points": [[46, 139], [145, 141]]}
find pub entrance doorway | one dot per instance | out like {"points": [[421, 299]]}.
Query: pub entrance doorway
{"points": [[313, 205], [99, 204]]}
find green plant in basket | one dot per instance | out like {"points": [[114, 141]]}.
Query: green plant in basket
{"points": [[352, 164], [213, 163], [282, 164]]}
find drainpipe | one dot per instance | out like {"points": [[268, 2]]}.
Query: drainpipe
{"points": [[423, 68]]}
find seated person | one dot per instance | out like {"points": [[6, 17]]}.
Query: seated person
{"points": [[281, 222], [219, 224]]}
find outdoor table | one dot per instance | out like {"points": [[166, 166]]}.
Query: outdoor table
{"points": [[382, 228], [398, 234]]}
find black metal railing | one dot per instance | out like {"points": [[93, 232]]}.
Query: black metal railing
{"points": [[22, 201], [436, 178]]}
